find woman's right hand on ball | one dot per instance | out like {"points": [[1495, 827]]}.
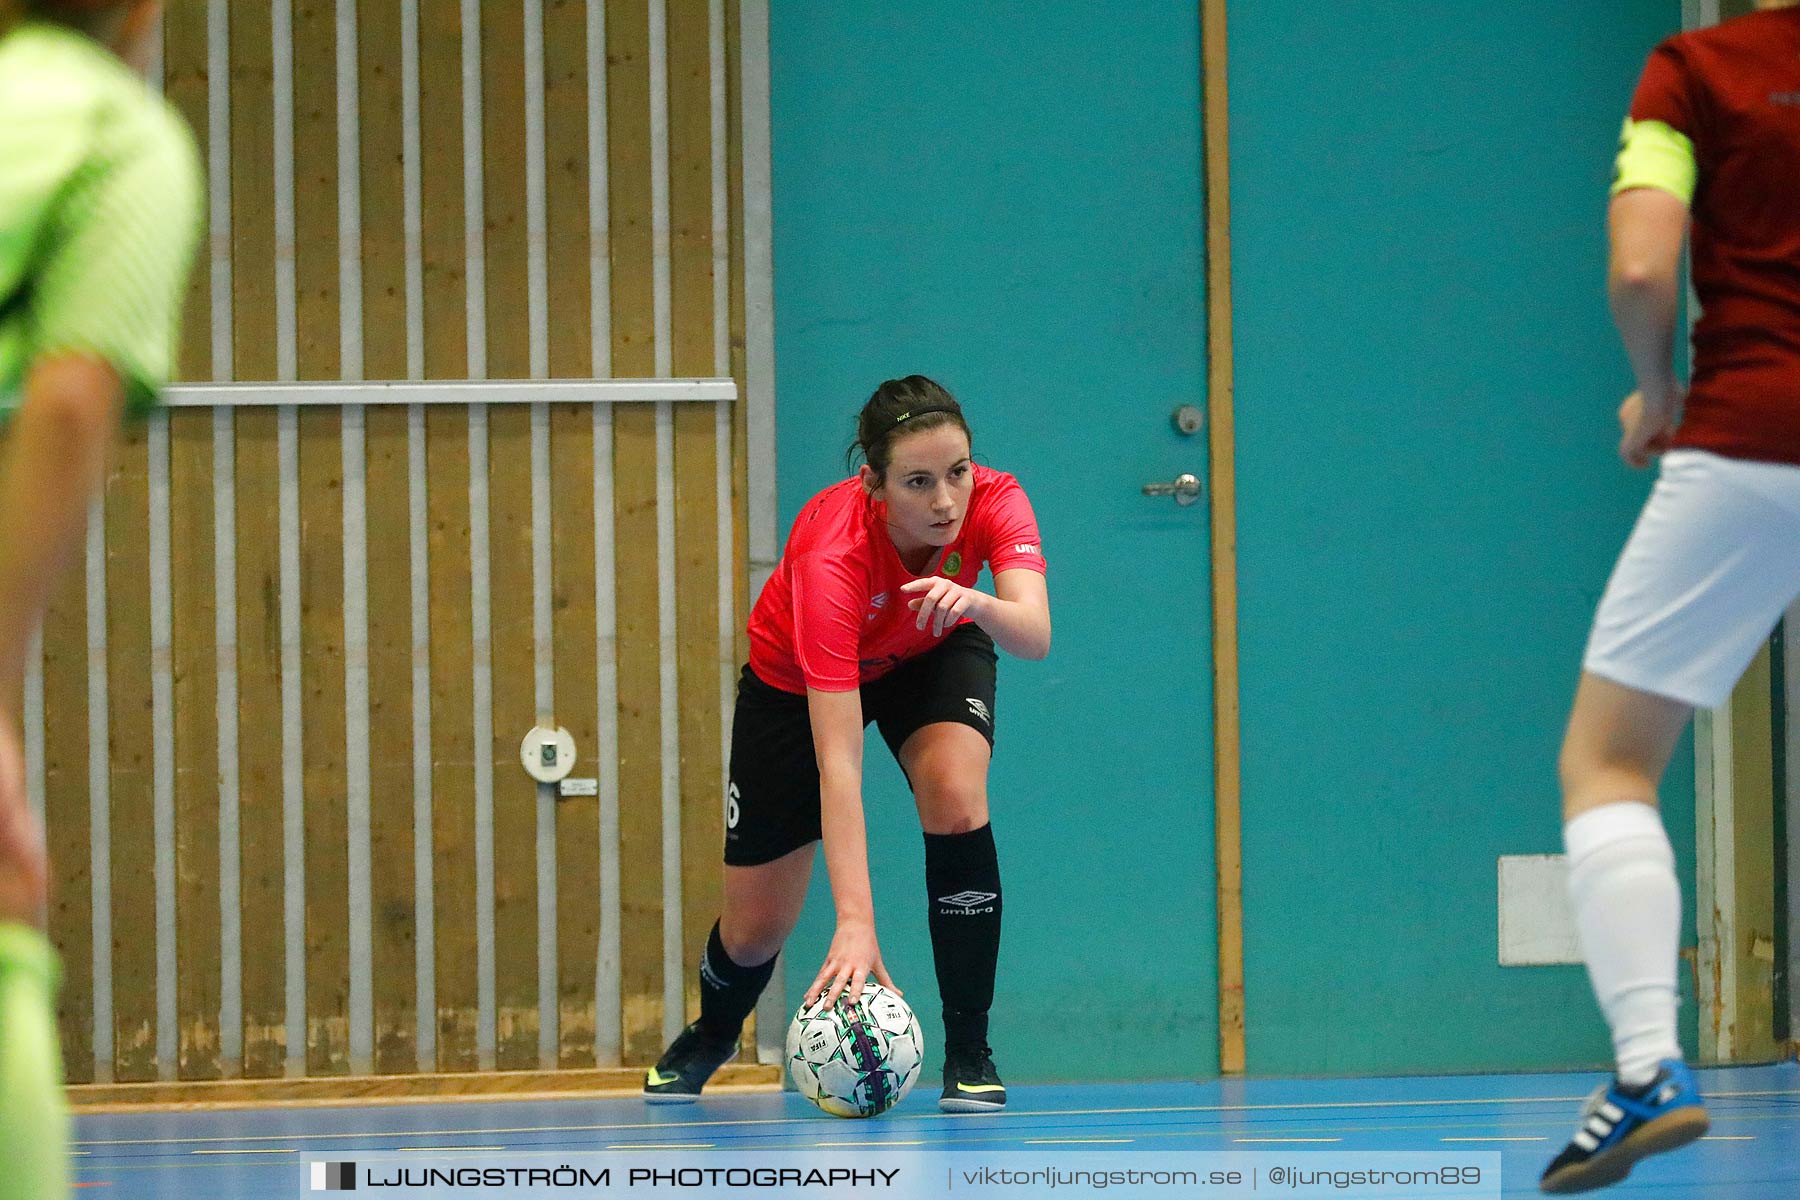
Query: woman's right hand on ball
{"points": [[853, 958]]}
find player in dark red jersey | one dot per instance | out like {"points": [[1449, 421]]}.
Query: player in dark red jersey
{"points": [[1712, 142], [873, 615]]}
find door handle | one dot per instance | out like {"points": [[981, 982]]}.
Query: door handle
{"points": [[1185, 488]]}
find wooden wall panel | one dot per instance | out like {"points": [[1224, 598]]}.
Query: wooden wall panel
{"points": [[441, 177], [198, 902], [392, 898], [252, 194], [129, 728], [577, 819], [447, 442], [68, 825], [393, 943], [322, 743], [322, 702], [260, 831], [185, 82], [381, 143], [452, 739], [696, 486], [256, 470], [566, 188], [515, 712], [740, 454], [512, 651], [194, 667], [634, 525], [316, 189], [503, 194], [572, 521], [315, 339], [1755, 835]]}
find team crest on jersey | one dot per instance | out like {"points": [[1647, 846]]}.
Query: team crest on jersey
{"points": [[953, 564]]}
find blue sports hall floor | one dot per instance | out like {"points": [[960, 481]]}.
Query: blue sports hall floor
{"points": [[1753, 1152]]}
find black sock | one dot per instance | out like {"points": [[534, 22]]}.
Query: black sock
{"points": [[962, 881], [728, 991]]}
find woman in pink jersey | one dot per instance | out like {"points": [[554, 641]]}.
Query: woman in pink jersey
{"points": [[872, 615], [1707, 157]]}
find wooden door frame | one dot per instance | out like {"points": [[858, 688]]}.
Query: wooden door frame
{"points": [[1227, 777]]}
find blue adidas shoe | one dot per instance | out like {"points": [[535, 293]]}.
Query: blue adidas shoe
{"points": [[1620, 1125]]}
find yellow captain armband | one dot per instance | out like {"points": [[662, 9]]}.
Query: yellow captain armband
{"points": [[1652, 154]]}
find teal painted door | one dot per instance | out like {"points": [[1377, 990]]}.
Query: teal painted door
{"points": [[1428, 508], [1007, 197]]}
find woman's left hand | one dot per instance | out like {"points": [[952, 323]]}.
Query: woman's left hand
{"points": [[942, 602]]}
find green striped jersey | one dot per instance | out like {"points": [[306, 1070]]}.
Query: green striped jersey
{"points": [[100, 208]]}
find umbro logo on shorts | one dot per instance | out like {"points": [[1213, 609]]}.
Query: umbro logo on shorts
{"points": [[980, 710], [967, 903]]}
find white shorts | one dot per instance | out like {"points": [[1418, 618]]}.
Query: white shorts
{"points": [[1712, 564]]}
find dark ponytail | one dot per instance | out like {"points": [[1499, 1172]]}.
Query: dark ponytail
{"points": [[900, 407]]}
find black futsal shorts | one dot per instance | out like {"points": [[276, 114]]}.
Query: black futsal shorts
{"points": [[772, 805]]}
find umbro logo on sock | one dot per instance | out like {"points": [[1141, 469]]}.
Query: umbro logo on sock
{"points": [[708, 974], [968, 904]]}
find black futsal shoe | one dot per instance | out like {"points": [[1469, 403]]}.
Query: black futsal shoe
{"points": [[971, 1085], [686, 1065]]}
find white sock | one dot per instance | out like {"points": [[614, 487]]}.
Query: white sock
{"points": [[1627, 907]]}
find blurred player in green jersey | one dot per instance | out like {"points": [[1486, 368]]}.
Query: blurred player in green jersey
{"points": [[100, 198]]}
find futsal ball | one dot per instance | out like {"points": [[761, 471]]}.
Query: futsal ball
{"points": [[859, 1057]]}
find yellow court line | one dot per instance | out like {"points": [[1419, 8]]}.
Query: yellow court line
{"points": [[663, 1146], [874, 1143], [972, 1138], [441, 1149], [1284, 1141], [1077, 1141], [1495, 1139], [1152, 1133], [987, 1117], [269, 1150], [1722, 1137]]}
